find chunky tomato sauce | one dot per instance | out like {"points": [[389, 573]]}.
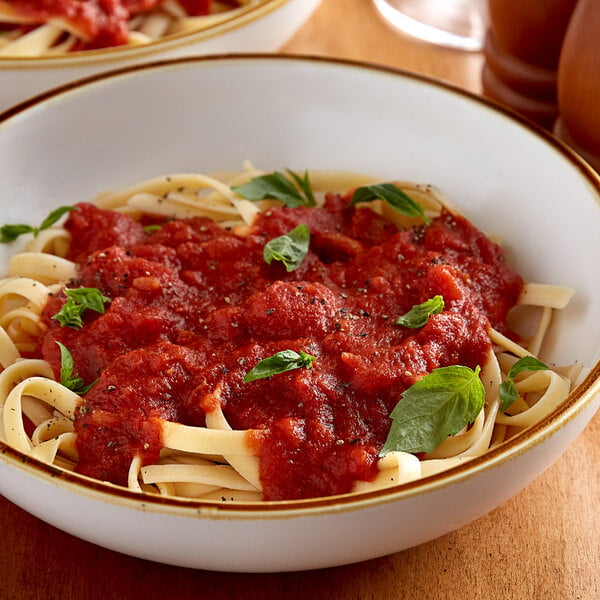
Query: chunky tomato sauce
{"points": [[102, 23], [195, 307]]}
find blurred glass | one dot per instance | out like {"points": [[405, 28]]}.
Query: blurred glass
{"points": [[460, 24]]}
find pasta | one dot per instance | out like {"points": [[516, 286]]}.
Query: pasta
{"points": [[32, 28], [215, 446]]}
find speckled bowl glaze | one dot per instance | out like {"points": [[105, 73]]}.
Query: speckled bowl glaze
{"points": [[261, 28], [504, 174]]}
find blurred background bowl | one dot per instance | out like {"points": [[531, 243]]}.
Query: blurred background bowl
{"points": [[504, 174], [263, 27]]}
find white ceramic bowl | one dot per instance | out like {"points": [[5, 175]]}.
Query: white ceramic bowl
{"points": [[261, 28], [507, 177]]}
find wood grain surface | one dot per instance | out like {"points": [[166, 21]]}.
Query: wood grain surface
{"points": [[541, 545]]}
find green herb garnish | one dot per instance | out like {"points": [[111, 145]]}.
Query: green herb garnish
{"points": [[280, 362], [419, 314], [394, 196], [9, 233], [150, 228], [293, 191], [67, 378], [508, 391], [441, 404], [79, 300], [290, 248]]}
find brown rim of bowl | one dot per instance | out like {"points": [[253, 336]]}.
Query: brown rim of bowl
{"points": [[577, 400], [238, 18]]}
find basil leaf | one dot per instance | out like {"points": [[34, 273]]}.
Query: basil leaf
{"points": [[79, 300], [278, 187], [527, 363], [280, 362], [290, 248], [54, 216], [70, 315], [439, 405], [150, 228], [393, 195], [304, 184], [508, 394], [70, 381], [508, 391], [419, 314], [9, 233], [91, 298]]}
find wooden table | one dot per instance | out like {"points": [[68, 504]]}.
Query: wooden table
{"points": [[542, 544]]}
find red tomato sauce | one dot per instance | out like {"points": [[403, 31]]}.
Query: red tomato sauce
{"points": [[195, 307], [102, 23]]}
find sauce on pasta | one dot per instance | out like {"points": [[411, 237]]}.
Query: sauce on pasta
{"points": [[96, 23], [194, 307]]}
